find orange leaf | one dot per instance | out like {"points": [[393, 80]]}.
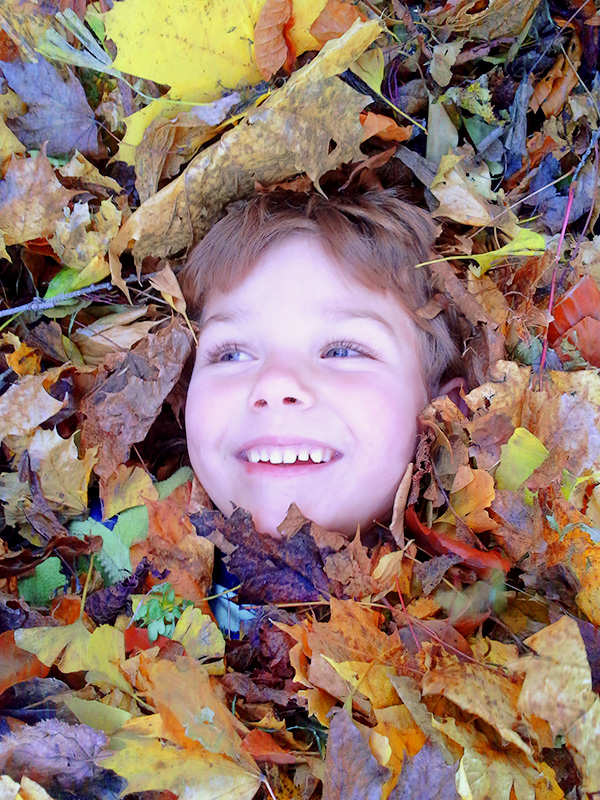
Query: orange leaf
{"points": [[270, 46], [335, 19], [586, 337], [17, 665], [551, 93], [172, 543], [384, 127], [263, 747]]}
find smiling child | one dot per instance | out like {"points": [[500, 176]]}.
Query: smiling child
{"points": [[312, 363]]}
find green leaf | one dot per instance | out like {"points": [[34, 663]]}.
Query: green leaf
{"points": [[520, 457], [38, 589]]}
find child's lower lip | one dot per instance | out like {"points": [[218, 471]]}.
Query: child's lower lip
{"points": [[286, 470]]}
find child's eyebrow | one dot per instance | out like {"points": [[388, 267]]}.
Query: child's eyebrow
{"points": [[335, 314]]}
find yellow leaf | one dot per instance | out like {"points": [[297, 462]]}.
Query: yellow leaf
{"points": [[74, 649], [149, 765], [64, 477], [290, 132], [369, 68], [370, 679], [9, 143], [199, 635], [97, 715], [80, 238], [24, 360], [126, 488], [525, 243], [521, 456], [471, 494]]}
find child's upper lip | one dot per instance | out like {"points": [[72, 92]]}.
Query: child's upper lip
{"points": [[287, 441]]}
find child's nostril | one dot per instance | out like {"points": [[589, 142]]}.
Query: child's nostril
{"points": [[289, 400]]}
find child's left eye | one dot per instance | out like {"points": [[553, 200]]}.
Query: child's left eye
{"points": [[347, 349]]}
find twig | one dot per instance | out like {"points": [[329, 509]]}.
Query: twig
{"points": [[553, 285], [41, 305]]}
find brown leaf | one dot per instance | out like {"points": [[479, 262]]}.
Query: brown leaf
{"points": [[27, 403], [351, 770], [270, 47], [31, 199], [123, 405]]}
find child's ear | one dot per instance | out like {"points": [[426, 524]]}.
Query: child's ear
{"points": [[455, 389]]}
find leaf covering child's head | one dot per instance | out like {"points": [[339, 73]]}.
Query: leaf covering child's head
{"points": [[312, 361]]}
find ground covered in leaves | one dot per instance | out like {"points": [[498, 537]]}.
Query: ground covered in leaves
{"points": [[459, 655]]}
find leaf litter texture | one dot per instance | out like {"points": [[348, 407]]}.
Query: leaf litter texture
{"points": [[458, 657]]}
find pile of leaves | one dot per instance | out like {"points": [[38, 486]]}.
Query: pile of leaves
{"points": [[458, 653]]}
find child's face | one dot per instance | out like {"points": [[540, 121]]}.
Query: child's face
{"points": [[301, 360]]}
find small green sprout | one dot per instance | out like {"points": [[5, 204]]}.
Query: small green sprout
{"points": [[160, 610]]}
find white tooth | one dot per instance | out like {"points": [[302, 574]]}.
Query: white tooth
{"points": [[317, 456], [254, 456], [303, 454], [276, 457], [289, 456], [264, 455], [327, 455]]}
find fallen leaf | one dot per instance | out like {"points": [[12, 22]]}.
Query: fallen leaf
{"points": [[152, 765], [16, 665], [54, 751], [351, 770], [426, 775], [334, 20], [172, 544], [289, 132], [122, 406], [263, 747], [125, 488], [31, 199], [57, 110], [270, 46]]}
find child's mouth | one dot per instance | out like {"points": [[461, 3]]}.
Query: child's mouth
{"points": [[288, 459]]}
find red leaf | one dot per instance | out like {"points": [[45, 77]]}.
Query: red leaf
{"points": [[479, 560], [582, 300], [138, 639]]}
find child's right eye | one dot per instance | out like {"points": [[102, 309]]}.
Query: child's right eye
{"points": [[229, 351]]}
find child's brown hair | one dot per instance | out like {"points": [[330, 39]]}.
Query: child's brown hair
{"points": [[377, 239]]}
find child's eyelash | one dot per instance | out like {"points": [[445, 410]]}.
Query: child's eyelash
{"points": [[214, 356]]}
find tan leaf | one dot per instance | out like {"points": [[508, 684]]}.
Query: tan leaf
{"points": [[167, 284], [26, 404], [31, 199], [113, 333], [270, 47], [479, 690]]}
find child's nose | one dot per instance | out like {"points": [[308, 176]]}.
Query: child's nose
{"points": [[278, 386]]}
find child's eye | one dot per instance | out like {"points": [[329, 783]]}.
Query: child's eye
{"points": [[347, 349], [228, 351]]}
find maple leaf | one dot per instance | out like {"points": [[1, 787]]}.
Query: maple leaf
{"points": [[289, 132], [57, 110]]}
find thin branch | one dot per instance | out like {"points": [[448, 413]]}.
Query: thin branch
{"points": [[41, 305]]}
